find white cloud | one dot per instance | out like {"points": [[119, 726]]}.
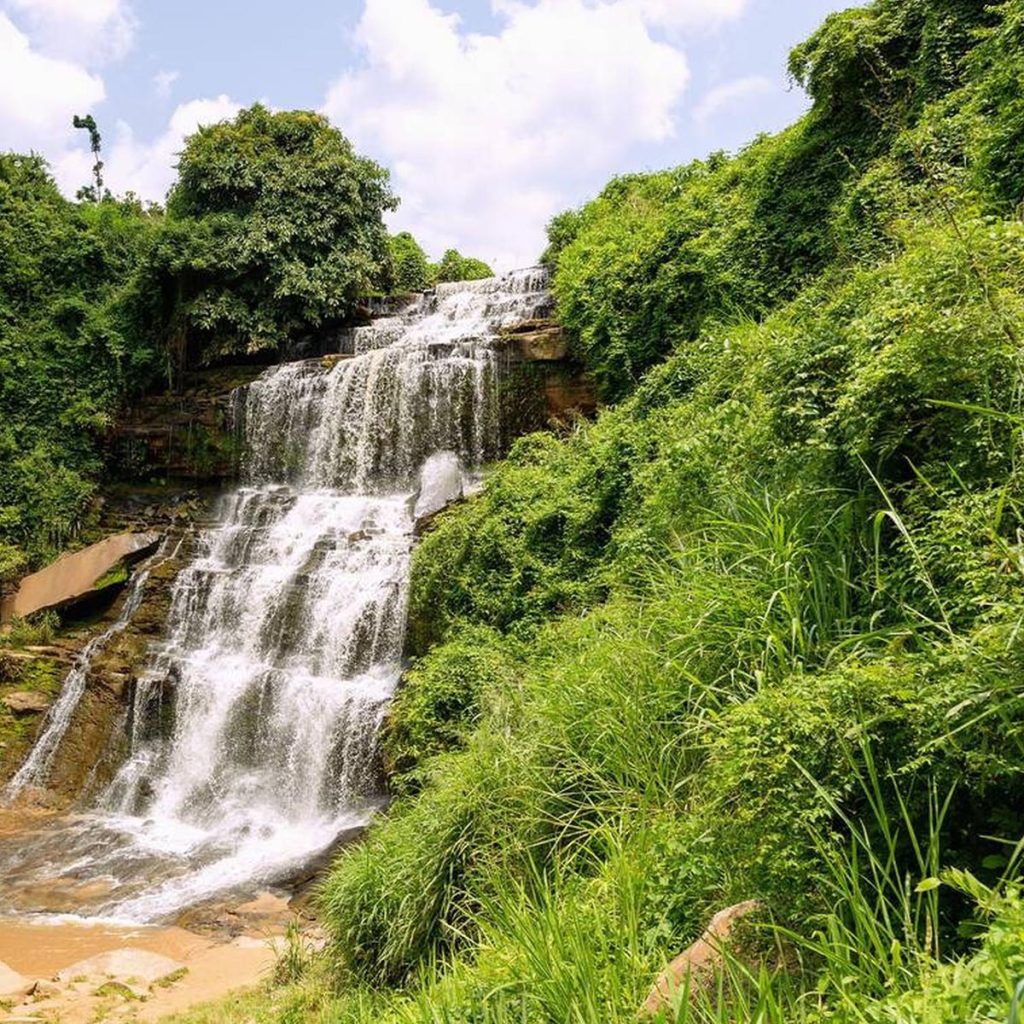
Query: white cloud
{"points": [[39, 94], [145, 168], [730, 94], [163, 81], [80, 30], [488, 135], [690, 14]]}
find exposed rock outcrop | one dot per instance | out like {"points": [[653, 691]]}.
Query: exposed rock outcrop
{"points": [[539, 341], [697, 964], [75, 574], [546, 384], [26, 702], [186, 434], [94, 744]]}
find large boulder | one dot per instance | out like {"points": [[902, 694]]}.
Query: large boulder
{"points": [[75, 574]]}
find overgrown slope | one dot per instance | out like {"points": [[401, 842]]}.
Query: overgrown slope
{"points": [[755, 633]]}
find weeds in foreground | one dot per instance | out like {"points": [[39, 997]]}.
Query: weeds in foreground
{"points": [[295, 955]]}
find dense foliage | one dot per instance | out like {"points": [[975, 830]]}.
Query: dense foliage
{"points": [[411, 271], [654, 258], [274, 228], [456, 267], [755, 632], [68, 351]]}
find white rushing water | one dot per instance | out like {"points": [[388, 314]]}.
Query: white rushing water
{"points": [[253, 730]]}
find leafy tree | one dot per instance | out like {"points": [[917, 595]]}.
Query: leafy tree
{"points": [[456, 267], [274, 228], [411, 270], [562, 230]]}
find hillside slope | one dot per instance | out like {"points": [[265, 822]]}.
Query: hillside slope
{"points": [[755, 633]]}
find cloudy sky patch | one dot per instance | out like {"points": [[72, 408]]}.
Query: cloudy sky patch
{"points": [[492, 116]]}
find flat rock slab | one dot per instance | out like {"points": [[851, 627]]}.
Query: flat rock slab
{"points": [[12, 984], [25, 703], [73, 575], [134, 969]]}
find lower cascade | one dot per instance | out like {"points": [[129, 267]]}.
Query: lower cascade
{"points": [[252, 732]]}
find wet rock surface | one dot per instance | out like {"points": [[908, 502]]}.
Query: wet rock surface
{"points": [[93, 744]]}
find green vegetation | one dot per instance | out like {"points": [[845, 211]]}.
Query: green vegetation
{"points": [[756, 632], [456, 267], [68, 352], [23, 673], [411, 271], [274, 228]]}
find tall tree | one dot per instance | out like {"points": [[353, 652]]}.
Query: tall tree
{"points": [[274, 228], [92, 192]]}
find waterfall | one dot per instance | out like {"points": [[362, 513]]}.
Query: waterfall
{"points": [[253, 729]]}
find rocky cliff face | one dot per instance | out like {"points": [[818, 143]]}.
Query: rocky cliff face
{"points": [[185, 434], [546, 385]]}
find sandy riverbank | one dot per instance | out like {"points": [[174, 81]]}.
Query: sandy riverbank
{"points": [[42, 951]]}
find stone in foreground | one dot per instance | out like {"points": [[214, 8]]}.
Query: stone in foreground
{"points": [[694, 966], [133, 969]]}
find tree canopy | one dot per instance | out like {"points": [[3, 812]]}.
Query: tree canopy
{"points": [[274, 228], [456, 267]]}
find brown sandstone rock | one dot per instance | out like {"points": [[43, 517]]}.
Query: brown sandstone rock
{"points": [[74, 574], [697, 962], [26, 703]]}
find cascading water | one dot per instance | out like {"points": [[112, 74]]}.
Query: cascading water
{"points": [[253, 730], [37, 765]]}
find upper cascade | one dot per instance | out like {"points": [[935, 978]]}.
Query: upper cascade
{"points": [[427, 379]]}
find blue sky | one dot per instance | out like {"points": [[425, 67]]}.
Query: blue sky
{"points": [[491, 114]]}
